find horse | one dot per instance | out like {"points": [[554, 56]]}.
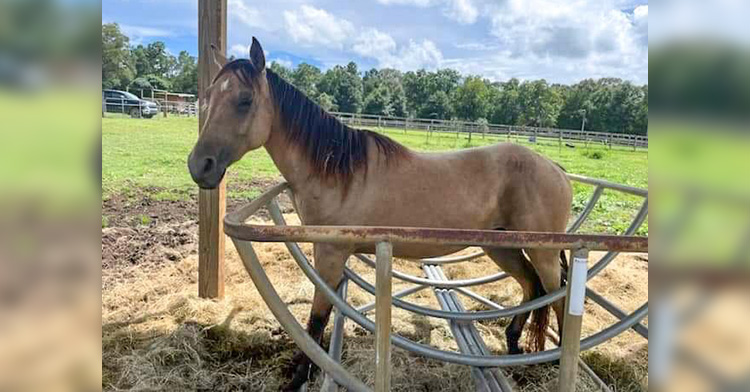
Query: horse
{"points": [[340, 175]]}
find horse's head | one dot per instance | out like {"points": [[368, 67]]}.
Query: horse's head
{"points": [[237, 112]]}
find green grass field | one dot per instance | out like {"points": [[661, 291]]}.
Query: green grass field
{"points": [[152, 154]]}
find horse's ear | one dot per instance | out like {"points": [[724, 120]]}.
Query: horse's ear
{"points": [[218, 58], [257, 56]]}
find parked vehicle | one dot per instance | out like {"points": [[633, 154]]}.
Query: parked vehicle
{"points": [[116, 101]]}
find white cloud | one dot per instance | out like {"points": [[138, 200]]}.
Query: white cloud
{"points": [[144, 32], [415, 56], [282, 62], [477, 46], [641, 11], [462, 11], [380, 46], [239, 51], [418, 3], [374, 43], [249, 16], [310, 25], [592, 35]]}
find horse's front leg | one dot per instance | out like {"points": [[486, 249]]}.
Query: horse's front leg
{"points": [[329, 262]]}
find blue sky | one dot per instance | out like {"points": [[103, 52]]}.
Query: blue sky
{"points": [[562, 41]]}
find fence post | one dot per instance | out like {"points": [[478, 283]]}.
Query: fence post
{"points": [[212, 29], [571, 331], [384, 255]]}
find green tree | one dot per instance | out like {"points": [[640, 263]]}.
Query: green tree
{"points": [[421, 91], [154, 59], [378, 102], [186, 77], [383, 92], [327, 102], [117, 64], [438, 106], [540, 104], [345, 85], [578, 101], [306, 78], [472, 99], [282, 71]]}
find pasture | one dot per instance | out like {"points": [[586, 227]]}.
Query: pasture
{"points": [[157, 335]]}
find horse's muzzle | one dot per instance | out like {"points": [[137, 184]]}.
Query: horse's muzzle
{"points": [[206, 171]]}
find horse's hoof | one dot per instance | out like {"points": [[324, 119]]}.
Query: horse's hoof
{"points": [[299, 379], [300, 370], [515, 350]]}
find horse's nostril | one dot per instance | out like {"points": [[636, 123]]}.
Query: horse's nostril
{"points": [[208, 165]]}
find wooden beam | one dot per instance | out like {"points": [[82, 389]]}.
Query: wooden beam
{"points": [[383, 270], [573, 319], [212, 30]]}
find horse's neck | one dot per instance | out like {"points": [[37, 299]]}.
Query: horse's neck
{"points": [[287, 157]]}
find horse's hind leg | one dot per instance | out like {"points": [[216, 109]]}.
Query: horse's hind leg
{"points": [[329, 262], [513, 262]]}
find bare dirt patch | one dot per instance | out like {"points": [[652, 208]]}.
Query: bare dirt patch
{"points": [[152, 226]]}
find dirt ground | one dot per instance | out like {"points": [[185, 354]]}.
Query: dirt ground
{"points": [[158, 335]]}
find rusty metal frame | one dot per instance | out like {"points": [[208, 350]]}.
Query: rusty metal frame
{"points": [[243, 234]]}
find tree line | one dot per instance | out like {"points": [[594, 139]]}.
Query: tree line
{"points": [[606, 105], [146, 67]]}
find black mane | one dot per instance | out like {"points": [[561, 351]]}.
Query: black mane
{"points": [[333, 148]]}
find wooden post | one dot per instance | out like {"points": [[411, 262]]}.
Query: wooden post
{"points": [[166, 104], [571, 333], [212, 17], [384, 254]]}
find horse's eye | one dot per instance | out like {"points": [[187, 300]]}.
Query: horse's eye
{"points": [[245, 103]]}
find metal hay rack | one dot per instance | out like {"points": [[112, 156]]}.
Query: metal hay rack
{"points": [[473, 352]]}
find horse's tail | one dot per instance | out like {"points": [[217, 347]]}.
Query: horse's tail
{"points": [[539, 319]]}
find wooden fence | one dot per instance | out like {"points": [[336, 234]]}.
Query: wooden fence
{"points": [[510, 131]]}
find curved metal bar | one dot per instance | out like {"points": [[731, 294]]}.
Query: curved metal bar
{"points": [[240, 215], [400, 294], [442, 314], [615, 311], [452, 259], [522, 308], [593, 200], [480, 315], [309, 346], [470, 360], [438, 283], [608, 184], [586, 210], [462, 359]]}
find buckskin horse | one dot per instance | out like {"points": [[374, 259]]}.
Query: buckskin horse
{"points": [[346, 176]]}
